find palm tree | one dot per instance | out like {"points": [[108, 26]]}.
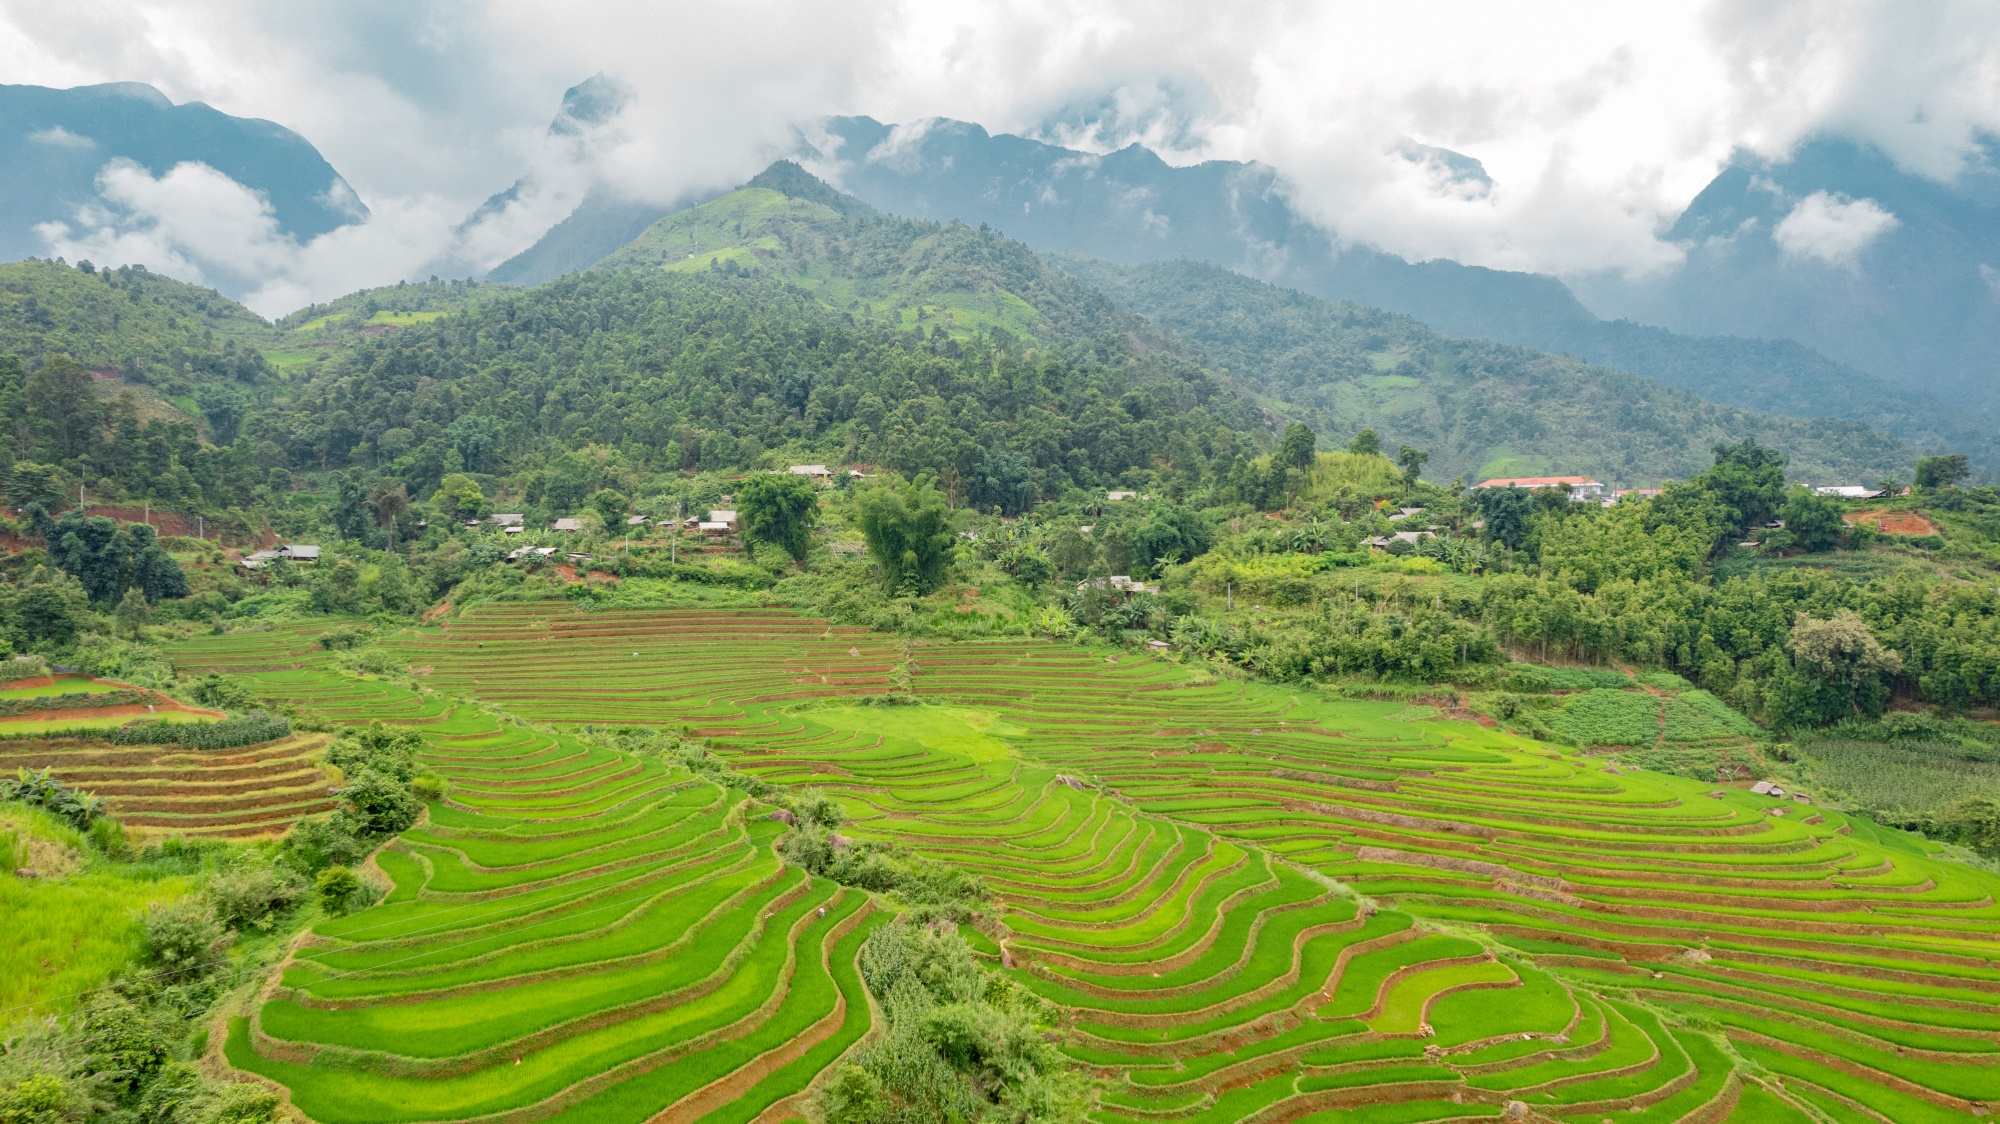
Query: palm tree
{"points": [[390, 503]]}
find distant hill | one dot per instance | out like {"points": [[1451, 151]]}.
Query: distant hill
{"points": [[1131, 206], [55, 142], [1837, 247], [1476, 406], [1480, 408], [946, 277]]}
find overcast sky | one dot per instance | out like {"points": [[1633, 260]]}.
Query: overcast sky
{"points": [[1596, 121]]}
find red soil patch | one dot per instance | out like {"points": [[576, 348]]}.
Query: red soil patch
{"points": [[31, 681], [1893, 522], [436, 611], [165, 522]]}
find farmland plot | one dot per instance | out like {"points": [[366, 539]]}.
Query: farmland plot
{"points": [[1248, 903]]}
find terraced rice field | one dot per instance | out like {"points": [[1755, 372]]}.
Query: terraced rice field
{"points": [[286, 668], [171, 790], [1250, 904]]}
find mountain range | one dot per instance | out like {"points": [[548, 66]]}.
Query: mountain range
{"points": [[55, 144], [1796, 335]]}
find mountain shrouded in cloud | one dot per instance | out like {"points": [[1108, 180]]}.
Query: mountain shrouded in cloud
{"points": [[71, 157], [1839, 248]]}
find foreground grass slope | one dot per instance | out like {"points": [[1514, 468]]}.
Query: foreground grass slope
{"points": [[1249, 903]]}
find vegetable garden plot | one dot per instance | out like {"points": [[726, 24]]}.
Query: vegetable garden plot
{"points": [[1176, 865]]}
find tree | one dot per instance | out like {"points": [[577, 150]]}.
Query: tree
{"points": [[780, 510], [1814, 521], [50, 607], [610, 505], [1506, 511], [1748, 481], [336, 886], [907, 535], [1071, 553], [132, 612], [64, 403], [458, 498], [350, 505], [391, 501], [1839, 670], [1366, 444], [1295, 449], [1412, 462], [380, 804], [34, 483], [153, 570], [1942, 471]]}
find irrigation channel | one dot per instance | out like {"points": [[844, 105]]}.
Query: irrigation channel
{"points": [[1249, 903]]}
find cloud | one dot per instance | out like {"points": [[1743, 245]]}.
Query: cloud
{"points": [[1832, 228], [1595, 122], [197, 224], [58, 137]]}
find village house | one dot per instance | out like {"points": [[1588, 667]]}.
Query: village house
{"points": [[817, 473], [1581, 489], [284, 552], [571, 525]]}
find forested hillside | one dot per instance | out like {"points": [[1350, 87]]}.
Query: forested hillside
{"points": [[1480, 408], [712, 370]]}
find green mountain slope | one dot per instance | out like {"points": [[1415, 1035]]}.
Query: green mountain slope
{"points": [[938, 276], [140, 324], [709, 369], [1480, 408]]}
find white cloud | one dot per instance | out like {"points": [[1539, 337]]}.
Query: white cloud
{"points": [[199, 225], [1597, 122], [56, 136], [1832, 228]]}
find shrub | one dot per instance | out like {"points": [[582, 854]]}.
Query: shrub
{"points": [[336, 886], [1531, 677], [815, 806], [253, 895], [856, 1096], [340, 638], [427, 787], [108, 836], [184, 938], [1973, 822], [380, 804], [254, 728], [40, 790], [313, 845], [43, 1098], [389, 750], [24, 667], [222, 692], [125, 1042]]}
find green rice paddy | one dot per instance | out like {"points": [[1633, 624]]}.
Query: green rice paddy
{"points": [[1247, 903]]}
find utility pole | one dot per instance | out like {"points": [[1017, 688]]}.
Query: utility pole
{"points": [[200, 528], [674, 549]]}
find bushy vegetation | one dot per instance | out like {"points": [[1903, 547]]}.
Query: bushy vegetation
{"points": [[960, 1044]]}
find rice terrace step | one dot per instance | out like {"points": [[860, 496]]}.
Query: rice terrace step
{"points": [[1248, 903]]}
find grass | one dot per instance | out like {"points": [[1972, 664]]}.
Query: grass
{"points": [[65, 932]]}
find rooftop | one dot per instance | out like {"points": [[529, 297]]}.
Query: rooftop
{"points": [[1539, 482]]}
